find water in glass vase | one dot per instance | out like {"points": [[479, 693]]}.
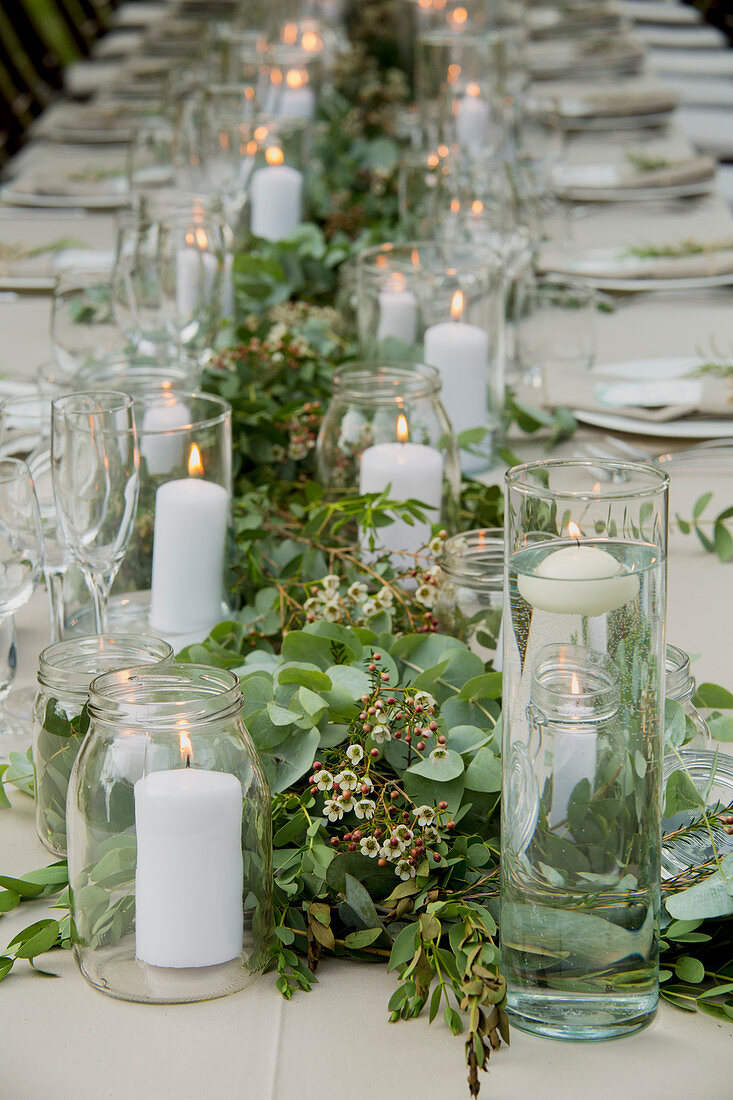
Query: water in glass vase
{"points": [[584, 649]]}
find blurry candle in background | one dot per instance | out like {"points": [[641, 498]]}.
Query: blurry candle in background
{"points": [[161, 444], [275, 197], [397, 311], [472, 120], [295, 98], [195, 274]]}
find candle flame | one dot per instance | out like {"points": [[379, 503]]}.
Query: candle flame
{"points": [[311, 42], [443, 150], [574, 685], [473, 89], [186, 746], [261, 133], [455, 206], [459, 16], [403, 432], [290, 34], [454, 71], [456, 306], [195, 465], [274, 155], [433, 160], [190, 239], [251, 148], [276, 77], [296, 78], [574, 531], [477, 207], [202, 240], [415, 258]]}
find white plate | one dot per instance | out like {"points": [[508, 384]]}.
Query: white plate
{"points": [[635, 194], [41, 283], [616, 282], [17, 197], [615, 122], [653, 370]]}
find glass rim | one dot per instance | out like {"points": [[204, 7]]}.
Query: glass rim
{"points": [[658, 480], [18, 465], [414, 379], [148, 398], [467, 553], [199, 694], [61, 664], [59, 404], [489, 262]]}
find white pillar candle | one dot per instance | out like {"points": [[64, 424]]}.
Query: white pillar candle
{"points": [[397, 312], [473, 115], [188, 882], [160, 444], [461, 353], [295, 101], [579, 580], [573, 759], [195, 276], [189, 537], [276, 198], [413, 471]]}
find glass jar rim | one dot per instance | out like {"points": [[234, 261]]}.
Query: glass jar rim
{"points": [[658, 480], [145, 399], [600, 672], [466, 555], [69, 666], [186, 693], [382, 382], [680, 683], [368, 260], [72, 405]]}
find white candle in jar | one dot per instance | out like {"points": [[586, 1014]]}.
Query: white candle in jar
{"points": [[579, 580], [276, 198], [188, 881], [413, 471], [473, 115], [294, 98], [574, 759], [196, 271], [461, 353], [189, 536], [161, 441], [397, 311]]}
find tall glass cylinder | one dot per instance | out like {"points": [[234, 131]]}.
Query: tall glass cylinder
{"points": [[584, 665]]}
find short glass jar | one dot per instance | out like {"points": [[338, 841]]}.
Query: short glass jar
{"points": [[470, 593], [60, 719], [169, 838], [680, 689], [386, 429]]}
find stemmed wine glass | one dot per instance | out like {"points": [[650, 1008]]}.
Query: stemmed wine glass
{"points": [[21, 562], [95, 468]]}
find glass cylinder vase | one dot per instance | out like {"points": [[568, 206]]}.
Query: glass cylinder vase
{"points": [[169, 838], [583, 705], [60, 719], [385, 431]]}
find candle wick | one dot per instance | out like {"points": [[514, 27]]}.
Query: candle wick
{"points": [[188, 760]]}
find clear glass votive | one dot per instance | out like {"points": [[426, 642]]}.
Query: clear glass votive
{"points": [[173, 580], [386, 429], [442, 303], [470, 593], [169, 838], [277, 162], [423, 183], [83, 325], [585, 604], [555, 329], [60, 719]]}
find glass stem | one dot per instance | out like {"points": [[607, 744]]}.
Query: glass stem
{"points": [[99, 589], [8, 654], [56, 603]]}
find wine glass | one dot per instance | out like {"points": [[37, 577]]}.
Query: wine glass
{"points": [[21, 562], [95, 468], [83, 327]]}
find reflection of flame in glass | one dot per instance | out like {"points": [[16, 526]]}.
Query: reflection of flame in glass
{"points": [[290, 34], [433, 160], [454, 71], [201, 239], [443, 150], [296, 78], [274, 155], [311, 42], [574, 531], [455, 206], [261, 133], [403, 432], [251, 148], [459, 16], [456, 306], [477, 207], [195, 465], [415, 258], [276, 77], [574, 685], [473, 89]]}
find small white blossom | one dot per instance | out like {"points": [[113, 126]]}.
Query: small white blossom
{"points": [[366, 782], [358, 592], [355, 753], [369, 846], [381, 733], [430, 834], [369, 608], [331, 584], [425, 700], [345, 801], [403, 833], [313, 603], [323, 780], [432, 575], [297, 451], [425, 815], [425, 595], [333, 810], [435, 546], [365, 809], [439, 753], [404, 870], [331, 611], [346, 780], [391, 851], [384, 598]]}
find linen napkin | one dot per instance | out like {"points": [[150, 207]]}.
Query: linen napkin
{"points": [[684, 260], [694, 169], [577, 100], [655, 401]]}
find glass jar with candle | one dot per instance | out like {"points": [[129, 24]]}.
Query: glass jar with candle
{"points": [[169, 838], [278, 152], [386, 428], [585, 602], [470, 592], [173, 580], [60, 719], [442, 303]]}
